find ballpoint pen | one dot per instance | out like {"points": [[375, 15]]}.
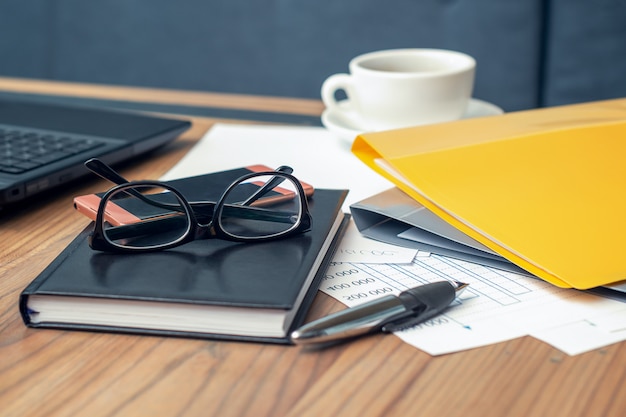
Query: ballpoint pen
{"points": [[387, 314]]}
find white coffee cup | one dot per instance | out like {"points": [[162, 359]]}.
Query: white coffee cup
{"points": [[403, 87]]}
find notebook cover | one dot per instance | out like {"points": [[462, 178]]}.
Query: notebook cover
{"points": [[203, 272], [542, 188]]}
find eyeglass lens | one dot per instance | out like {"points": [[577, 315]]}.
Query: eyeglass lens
{"points": [[274, 211], [156, 217]]}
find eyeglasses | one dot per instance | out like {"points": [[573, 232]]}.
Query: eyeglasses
{"points": [[256, 207]]}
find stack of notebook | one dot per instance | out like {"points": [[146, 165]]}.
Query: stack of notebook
{"points": [[207, 288]]}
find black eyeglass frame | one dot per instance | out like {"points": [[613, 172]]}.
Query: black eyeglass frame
{"points": [[196, 230]]}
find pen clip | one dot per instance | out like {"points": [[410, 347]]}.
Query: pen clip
{"points": [[424, 307], [406, 322]]}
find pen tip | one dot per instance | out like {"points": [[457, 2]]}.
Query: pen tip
{"points": [[296, 336], [304, 337], [460, 286]]}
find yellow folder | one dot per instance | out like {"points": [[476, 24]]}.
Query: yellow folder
{"points": [[544, 188]]}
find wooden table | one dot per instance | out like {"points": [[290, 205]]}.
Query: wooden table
{"points": [[71, 373]]}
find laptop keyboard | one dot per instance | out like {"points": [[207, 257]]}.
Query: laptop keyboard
{"points": [[22, 150]]}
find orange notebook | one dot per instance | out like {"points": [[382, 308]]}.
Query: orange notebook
{"points": [[545, 188]]}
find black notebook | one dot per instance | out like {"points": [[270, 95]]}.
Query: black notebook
{"points": [[206, 288]]}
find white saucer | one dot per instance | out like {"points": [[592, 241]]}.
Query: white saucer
{"points": [[346, 127]]}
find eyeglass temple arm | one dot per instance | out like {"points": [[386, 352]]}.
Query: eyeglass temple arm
{"points": [[268, 186], [104, 171]]}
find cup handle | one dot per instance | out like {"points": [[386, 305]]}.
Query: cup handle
{"points": [[333, 84]]}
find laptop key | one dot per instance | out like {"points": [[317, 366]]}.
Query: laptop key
{"points": [[83, 146], [22, 151], [51, 157], [11, 169]]}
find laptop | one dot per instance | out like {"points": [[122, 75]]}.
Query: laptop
{"points": [[44, 145]]}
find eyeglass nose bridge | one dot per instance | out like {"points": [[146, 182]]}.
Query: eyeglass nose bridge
{"points": [[205, 231]]}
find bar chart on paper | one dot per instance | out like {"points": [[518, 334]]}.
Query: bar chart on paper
{"points": [[497, 306]]}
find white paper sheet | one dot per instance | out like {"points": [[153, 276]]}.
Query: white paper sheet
{"points": [[497, 306], [358, 249], [316, 156]]}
